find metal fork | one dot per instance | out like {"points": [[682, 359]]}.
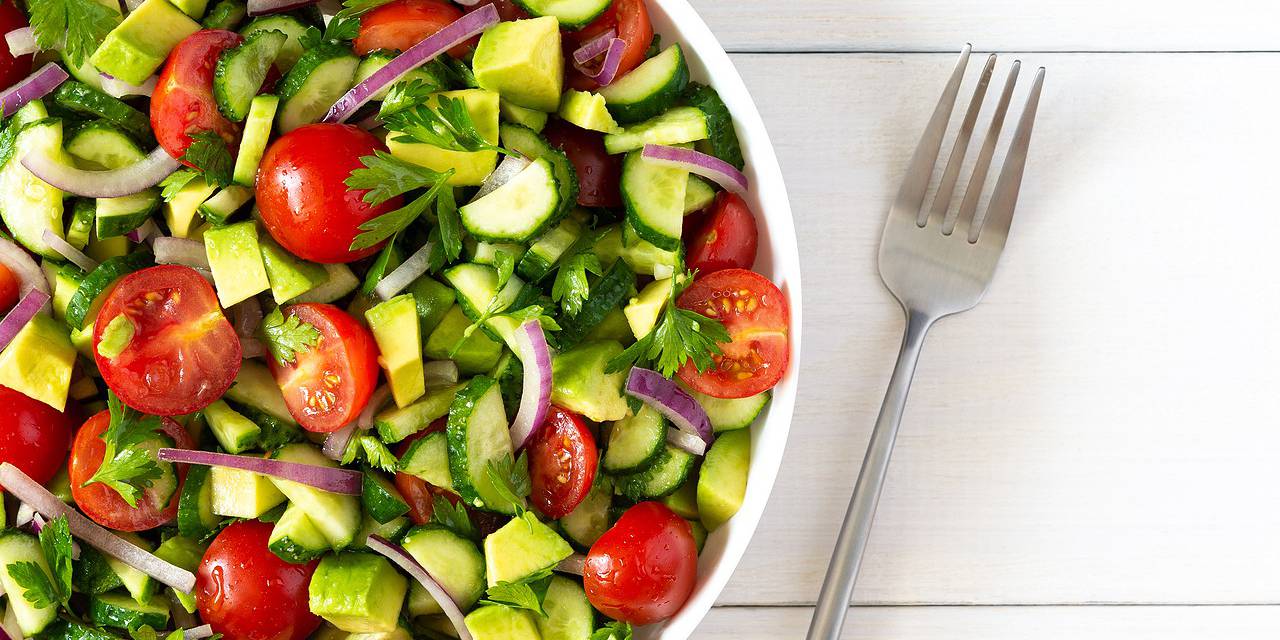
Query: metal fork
{"points": [[936, 262]]}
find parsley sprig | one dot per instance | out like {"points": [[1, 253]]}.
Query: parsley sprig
{"points": [[353, 8], [339, 29], [571, 287], [375, 453], [527, 593], [287, 337], [75, 26], [37, 588], [680, 336], [453, 517], [409, 111], [510, 479], [176, 182], [209, 154], [615, 630], [127, 467], [384, 177]]}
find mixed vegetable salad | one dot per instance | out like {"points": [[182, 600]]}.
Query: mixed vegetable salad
{"points": [[384, 320]]}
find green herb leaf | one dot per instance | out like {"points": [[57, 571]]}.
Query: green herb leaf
{"points": [[353, 8], [75, 26], [209, 153], [527, 594], [144, 632], [35, 584], [448, 125], [176, 182], [55, 541], [505, 263], [9, 140], [614, 630], [510, 478], [341, 28], [571, 287], [127, 467], [386, 177], [680, 336], [450, 223], [377, 454], [453, 517], [534, 312], [287, 337]]}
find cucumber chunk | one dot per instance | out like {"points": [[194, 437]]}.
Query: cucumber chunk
{"points": [[291, 27], [81, 98], [453, 560], [122, 612], [295, 538], [241, 70], [519, 209], [533, 146], [16, 547], [653, 195], [319, 78], [572, 14], [478, 437], [336, 516], [196, 518], [677, 126], [30, 206], [635, 442], [102, 145], [226, 14], [722, 138], [733, 413], [257, 132], [381, 500], [722, 483], [650, 88], [428, 458], [569, 613], [660, 479], [586, 523]]}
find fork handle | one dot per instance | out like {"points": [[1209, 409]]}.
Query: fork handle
{"points": [[837, 588]]}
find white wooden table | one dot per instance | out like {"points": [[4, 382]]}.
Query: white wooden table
{"points": [[1092, 452]]}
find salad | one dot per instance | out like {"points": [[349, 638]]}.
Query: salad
{"points": [[384, 320]]}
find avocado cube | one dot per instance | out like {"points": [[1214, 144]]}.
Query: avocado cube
{"points": [[138, 46], [235, 257], [242, 494], [643, 310], [477, 353], [358, 592], [38, 362], [496, 622], [522, 61], [470, 168], [580, 384], [587, 110], [193, 8], [532, 118], [395, 328], [613, 326], [433, 300], [180, 212], [289, 276], [521, 548]]}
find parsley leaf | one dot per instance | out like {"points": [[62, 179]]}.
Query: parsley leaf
{"points": [[76, 27], [571, 288], [450, 224], [35, 584], [127, 467], [286, 337], [453, 517], [510, 478], [340, 28], [9, 140], [377, 454], [55, 541], [533, 312], [176, 182], [353, 8], [681, 335], [527, 593], [448, 125], [615, 630], [505, 263], [208, 153], [386, 177]]}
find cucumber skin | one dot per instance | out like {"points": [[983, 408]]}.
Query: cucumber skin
{"points": [[658, 100], [224, 68], [191, 522], [641, 486], [530, 6], [382, 505], [721, 134], [97, 282], [531, 144], [607, 294], [464, 403], [81, 98]]}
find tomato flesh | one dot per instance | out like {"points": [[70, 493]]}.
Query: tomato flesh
{"points": [[757, 317], [9, 287], [598, 172], [246, 592], [34, 437], [184, 354], [644, 567], [183, 102], [12, 68], [727, 238], [303, 197], [631, 20], [400, 24], [102, 503], [329, 384], [562, 463]]}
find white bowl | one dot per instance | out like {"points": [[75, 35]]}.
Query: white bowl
{"points": [[779, 260]]}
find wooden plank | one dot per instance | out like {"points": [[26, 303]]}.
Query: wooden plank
{"points": [[1005, 623], [944, 25], [1103, 427]]}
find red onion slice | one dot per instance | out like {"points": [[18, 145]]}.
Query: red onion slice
{"points": [[30, 491], [37, 85], [505, 171], [575, 564], [20, 315], [379, 398], [686, 441], [188, 253], [21, 41], [247, 314], [333, 480], [64, 249], [121, 89], [424, 51], [251, 348], [336, 443], [25, 514], [262, 7], [29, 274], [410, 565], [145, 231], [370, 123], [671, 401], [707, 166], [592, 48], [535, 397], [197, 633], [608, 71], [440, 373], [102, 184], [408, 271]]}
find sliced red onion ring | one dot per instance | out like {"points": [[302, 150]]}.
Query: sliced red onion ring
{"points": [[410, 565], [336, 443], [379, 398], [30, 491], [20, 315], [331, 479], [262, 7], [575, 564], [37, 85], [671, 401], [707, 166], [608, 71], [424, 51], [686, 441], [197, 633], [120, 89], [10, 627], [25, 514], [188, 253], [145, 231], [440, 373], [64, 249], [21, 41], [29, 274], [102, 184], [370, 123], [408, 271], [506, 170], [247, 315], [535, 397], [592, 48], [251, 348]]}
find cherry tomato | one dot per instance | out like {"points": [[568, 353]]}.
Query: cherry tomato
{"points": [[12, 68], [507, 10], [756, 315], [183, 102], [562, 463], [34, 437], [328, 385], [246, 592], [102, 503], [400, 24], [184, 353], [631, 19], [418, 493], [8, 288], [598, 172], [303, 197], [726, 240], [644, 567]]}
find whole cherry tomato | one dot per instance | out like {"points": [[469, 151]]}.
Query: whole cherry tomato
{"points": [[246, 592], [12, 68], [644, 567], [727, 238], [328, 383], [758, 319], [34, 437], [400, 24], [631, 20], [598, 172], [183, 104], [562, 463]]}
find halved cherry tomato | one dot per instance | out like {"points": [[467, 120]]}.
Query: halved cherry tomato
{"points": [[727, 239], [184, 354], [102, 503], [758, 319], [328, 385], [12, 68], [644, 567], [400, 24], [8, 288], [34, 437], [183, 102], [598, 172], [302, 193], [631, 19], [246, 592], [562, 463]]}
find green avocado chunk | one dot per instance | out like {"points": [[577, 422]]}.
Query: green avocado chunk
{"points": [[496, 622], [138, 46], [580, 384], [523, 62], [38, 362], [521, 548], [722, 483], [358, 592], [395, 328]]}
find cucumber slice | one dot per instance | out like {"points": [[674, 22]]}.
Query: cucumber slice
{"points": [[291, 27], [481, 252], [381, 500], [519, 209], [698, 195], [336, 516], [118, 216], [635, 442], [69, 629], [478, 437], [257, 132], [226, 14], [661, 479], [28, 205], [532, 145], [196, 518], [319, 78], [653, 196], [233, 431], [295, 538], [396, 424], [91, 574], [103, 145], [83, 213], [572, 14], [684, 501], [650, 88], [122, 612], [431, 75], [428, 458], [722, 482], [569, 613], [241, 69], [722, 138], [81, 98], [733, 413], [454, 561], [218, 209], [677, 126], [547, 249], [255, 387], [139, 585], [237, 493], [477, 287], [97, 282], [586, 523], [392, 531], [15, 547]]}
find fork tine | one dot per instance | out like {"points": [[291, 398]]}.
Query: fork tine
{"points": [[942, 200], [983, 164], [920, 169], [1005, 197]]}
